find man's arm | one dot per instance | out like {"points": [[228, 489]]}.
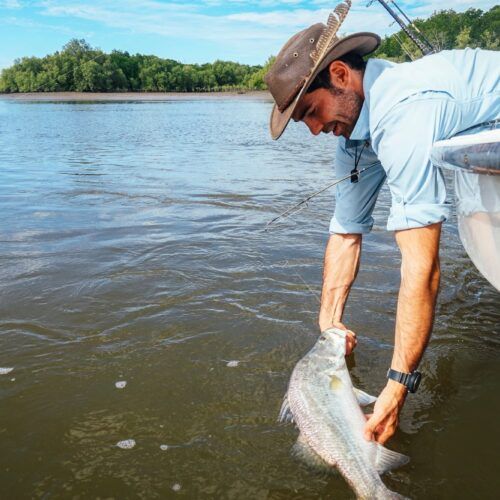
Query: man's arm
{"points": [[415, 314], [340, 269]]}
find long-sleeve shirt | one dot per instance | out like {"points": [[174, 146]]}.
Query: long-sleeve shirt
{"points": [[407, 108]]}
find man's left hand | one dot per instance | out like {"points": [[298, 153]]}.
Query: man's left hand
{"points": [[382, 424]]}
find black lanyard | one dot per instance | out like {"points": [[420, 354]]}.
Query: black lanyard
{"points": [[357, 158]]}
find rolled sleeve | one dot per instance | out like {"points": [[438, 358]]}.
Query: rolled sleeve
{"points": [[355, 201], [403, 142]]}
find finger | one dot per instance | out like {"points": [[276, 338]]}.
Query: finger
{"points": [[376, 421], [368, 435], [368, 416], [350, 344], [369, 430], [382, 438], [386, 432]]}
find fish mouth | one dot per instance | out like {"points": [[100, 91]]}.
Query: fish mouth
{"points": [[335, 331]]}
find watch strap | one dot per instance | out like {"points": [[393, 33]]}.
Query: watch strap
{"points": [[402, 378], [410, 380]]}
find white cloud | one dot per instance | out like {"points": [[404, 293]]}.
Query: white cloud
{"points": [[139, 16], [10, 4], [183, 20], [253, 28], [294, 18], [29, 23]]}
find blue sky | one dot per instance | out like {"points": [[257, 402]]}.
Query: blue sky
{"points": [[246, 31]]}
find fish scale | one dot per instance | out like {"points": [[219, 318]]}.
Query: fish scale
{"points": [[336, 449], [322, 402]]}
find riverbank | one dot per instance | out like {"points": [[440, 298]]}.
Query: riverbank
{"points": [[135, 96]]}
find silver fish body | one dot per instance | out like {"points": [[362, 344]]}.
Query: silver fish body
{"points": [[326, 408]]}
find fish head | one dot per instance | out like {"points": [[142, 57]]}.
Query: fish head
{"points": [[334, 342]]}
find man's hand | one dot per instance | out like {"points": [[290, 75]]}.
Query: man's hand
{"points": [[382, 424]]}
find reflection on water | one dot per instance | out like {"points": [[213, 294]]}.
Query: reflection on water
{"points": [[132, 249]]}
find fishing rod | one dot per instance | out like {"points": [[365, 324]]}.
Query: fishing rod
{"points": [[422, 43], [414, 26], [354, 175], [403, 48]]}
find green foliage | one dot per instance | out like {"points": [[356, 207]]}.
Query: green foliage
{"points": [[79, 67], [447, 29], [255, 80]]}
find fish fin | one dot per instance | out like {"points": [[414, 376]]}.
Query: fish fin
{"points": [[387, 460], [303, 451], [285, 414], [364, 399]]}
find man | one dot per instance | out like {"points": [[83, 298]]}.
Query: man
{"points": [[387, 117]]}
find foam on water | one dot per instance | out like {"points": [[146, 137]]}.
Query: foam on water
{"points": [[126, 444]]}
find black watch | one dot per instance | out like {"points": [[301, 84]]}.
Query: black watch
{"points": [[410, 380]]}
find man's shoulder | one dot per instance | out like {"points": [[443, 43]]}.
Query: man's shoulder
{"points": [[399, 82], [449, 74]]}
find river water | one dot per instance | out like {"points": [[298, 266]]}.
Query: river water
{"points": [[132, 249]]}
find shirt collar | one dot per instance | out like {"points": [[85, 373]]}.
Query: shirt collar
{"points": [[374, 68]]}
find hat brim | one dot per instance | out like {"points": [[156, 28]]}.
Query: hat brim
{"points": [[360, 43]]}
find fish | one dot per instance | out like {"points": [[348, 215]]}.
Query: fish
{"points": [[325, 407]]}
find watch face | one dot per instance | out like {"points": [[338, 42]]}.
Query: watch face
{"points": [[416, 377]]}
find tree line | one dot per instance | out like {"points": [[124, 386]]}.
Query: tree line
{"points": [[445, 30], [82, 68], [79, 67]]}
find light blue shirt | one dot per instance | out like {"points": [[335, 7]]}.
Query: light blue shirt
{"points": [[407, 108]]}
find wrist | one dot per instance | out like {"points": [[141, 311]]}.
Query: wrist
{"points": [[399, 391], [326, 321]]}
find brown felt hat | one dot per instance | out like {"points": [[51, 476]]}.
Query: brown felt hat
{"points": [[304, 56]]}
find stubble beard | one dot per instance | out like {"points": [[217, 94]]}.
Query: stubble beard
{"points": [[350, 103]]}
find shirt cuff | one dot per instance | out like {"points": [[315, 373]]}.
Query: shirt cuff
{"points": [[349, 227], [414, 216]]}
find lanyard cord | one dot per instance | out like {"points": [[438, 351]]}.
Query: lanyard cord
{"points": [[357, 158]]}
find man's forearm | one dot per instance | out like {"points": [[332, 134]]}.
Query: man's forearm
{"points": [[417, 295], [416, 303], [340, 269]]}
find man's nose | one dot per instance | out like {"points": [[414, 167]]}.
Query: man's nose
{"points": [[314, 126]]}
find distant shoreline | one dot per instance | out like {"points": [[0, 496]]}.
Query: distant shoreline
{"points": [[135, 96]]}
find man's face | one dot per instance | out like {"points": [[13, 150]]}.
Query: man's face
{"points": [[331, 110]]}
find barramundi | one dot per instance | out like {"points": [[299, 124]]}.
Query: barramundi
{"points": [[325, 407]]}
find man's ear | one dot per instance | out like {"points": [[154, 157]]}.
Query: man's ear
{"points": [[340, 74]]}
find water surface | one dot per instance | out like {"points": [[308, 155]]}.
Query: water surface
{"points": [[132, 249]]}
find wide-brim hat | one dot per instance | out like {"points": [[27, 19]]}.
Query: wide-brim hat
{"points": [[304, 56]]}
